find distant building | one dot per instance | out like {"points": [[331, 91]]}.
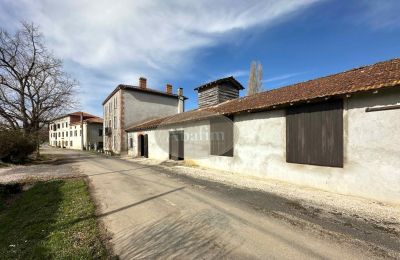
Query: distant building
{"points": [[78, 130], [338, 133], [128, 105]]}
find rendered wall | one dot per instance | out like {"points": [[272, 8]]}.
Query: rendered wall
{"points": [[141, 106], [91, 135], [112, 110], [371, 149]]}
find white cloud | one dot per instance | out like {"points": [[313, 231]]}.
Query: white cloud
{"points": [[124, 39], [282, 77]]}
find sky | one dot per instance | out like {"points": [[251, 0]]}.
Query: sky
{"points": [[189, 43]]}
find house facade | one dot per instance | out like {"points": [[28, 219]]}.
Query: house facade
{"points": [[128, 105], [338, 133], [78, 130]]}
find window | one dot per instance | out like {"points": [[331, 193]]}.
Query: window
{"points": [[131, 142], [70, 133], [70, 143], [109, 123], [114, 143], [58, 126], [115, 122], [66, 133], [314, 134], [100, 132], [59, 135], [76, 132], [80, 132], [62, 134], [221, 137]]}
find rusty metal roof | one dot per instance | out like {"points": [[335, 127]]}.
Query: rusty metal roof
{"points": [[368, 78]]}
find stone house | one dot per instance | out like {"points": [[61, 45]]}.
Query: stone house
{"points": [[78, 130], [127, 105], [338, 133]]}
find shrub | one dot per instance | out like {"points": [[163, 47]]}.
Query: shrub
{"points": [[15, 147]]}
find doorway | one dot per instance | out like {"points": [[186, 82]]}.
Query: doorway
{"points": [[143, 147], [176, 145]]}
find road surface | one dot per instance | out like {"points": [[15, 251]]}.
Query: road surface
{"points": [[156, 214]]}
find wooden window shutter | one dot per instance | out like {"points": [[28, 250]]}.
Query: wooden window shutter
{"points": [[314, 134]]}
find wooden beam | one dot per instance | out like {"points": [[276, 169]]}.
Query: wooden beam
{"points": [[373, 109]]}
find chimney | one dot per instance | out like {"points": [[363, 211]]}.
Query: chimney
{"points": [[142, 83], [180, 92], [168, 89], [181, 101]]}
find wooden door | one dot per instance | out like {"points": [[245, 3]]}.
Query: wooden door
{"points": [[146, 146], [140, 145], [176, 145], [314, 134]]}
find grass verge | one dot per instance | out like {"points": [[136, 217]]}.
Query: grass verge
{"points": [[54, 219]]}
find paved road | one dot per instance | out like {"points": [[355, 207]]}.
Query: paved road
{"points": [[154, 214]]}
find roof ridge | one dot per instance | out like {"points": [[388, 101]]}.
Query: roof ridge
{"points": [[384, 74]]}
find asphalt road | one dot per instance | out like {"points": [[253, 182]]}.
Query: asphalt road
{"points": [[152, 213]]}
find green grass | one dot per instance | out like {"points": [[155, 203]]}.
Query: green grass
{"points": [[54, 219]]}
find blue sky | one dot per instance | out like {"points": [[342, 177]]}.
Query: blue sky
{"points": [[187, 43]]}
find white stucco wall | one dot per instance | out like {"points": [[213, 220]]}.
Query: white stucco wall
{"points": [[112, 110], [129, 107], [90, 134], [141, 106], [371, 149]]}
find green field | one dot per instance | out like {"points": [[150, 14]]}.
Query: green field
{"points": [[54, 219]]}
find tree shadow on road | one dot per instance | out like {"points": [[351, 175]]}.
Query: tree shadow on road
{"points": [[194, 236]]}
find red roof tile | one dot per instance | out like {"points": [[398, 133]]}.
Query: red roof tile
{"points": [[380, 75]]}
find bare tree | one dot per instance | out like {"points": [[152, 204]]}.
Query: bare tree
{"points": [[34, 89], [255, 78]]}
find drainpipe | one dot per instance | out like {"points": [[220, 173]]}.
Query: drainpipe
{"points": [[82, 130], [181, 101]]}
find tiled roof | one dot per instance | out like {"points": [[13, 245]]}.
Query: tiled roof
{"points": [[79, 114], [136, 88], [380, 75], [95, 120], [75, 114], [230, 79], [92, 120]]}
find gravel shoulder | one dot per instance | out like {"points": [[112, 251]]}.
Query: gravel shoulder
{"points": [[58, 168]]}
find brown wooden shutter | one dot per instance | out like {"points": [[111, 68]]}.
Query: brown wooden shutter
{"points": [[176, 145], [146, 146], [139, 145], [314, 134], [221, 137]]}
